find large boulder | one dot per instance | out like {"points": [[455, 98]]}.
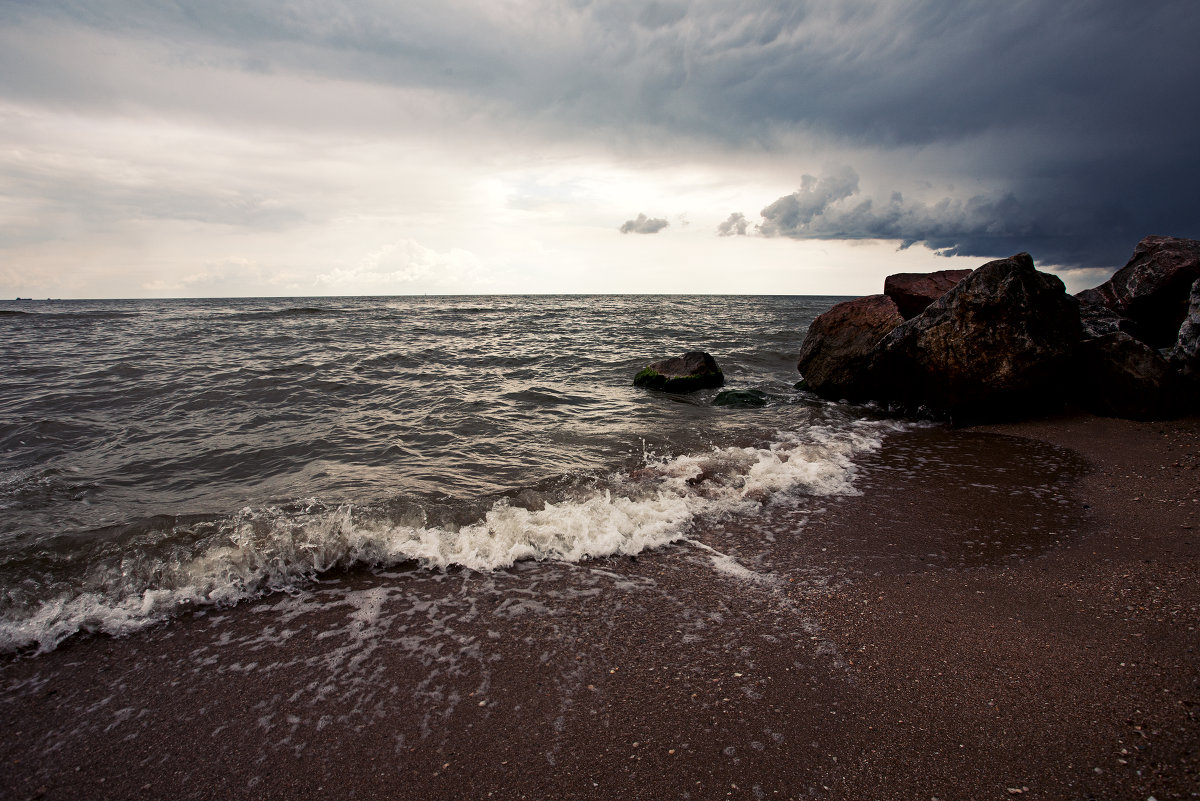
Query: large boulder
{"points": [[1119, 376], [913, 292], [838, 346], [687, 373], [996, 345], [1152, 289], [1186, 353]]}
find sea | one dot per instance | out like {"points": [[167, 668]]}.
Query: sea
{"points": [[163, 456]]}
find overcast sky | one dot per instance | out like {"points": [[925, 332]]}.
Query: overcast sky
{"points": [[234, 147]]}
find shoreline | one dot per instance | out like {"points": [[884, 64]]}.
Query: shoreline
{"points": [[853, 647]]}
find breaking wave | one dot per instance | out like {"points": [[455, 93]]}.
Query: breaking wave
{"points": [[221, 561]]}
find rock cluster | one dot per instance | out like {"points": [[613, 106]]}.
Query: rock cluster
{"points": [[995, 344], [1006, 340]]}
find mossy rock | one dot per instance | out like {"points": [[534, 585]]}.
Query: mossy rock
{"points": [[686, 373], [740, 397]]}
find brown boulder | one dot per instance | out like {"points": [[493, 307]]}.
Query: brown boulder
{"points": [[1120, 376], [837, 348], [687, 373], [1152, 289], [997, 345], [1186, 353], [913, 292]]}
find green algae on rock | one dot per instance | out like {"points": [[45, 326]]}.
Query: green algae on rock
{"points": [[687, 373], [741, 397]]}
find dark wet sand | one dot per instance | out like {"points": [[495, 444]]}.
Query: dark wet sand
{"points": [[1005, 612]]}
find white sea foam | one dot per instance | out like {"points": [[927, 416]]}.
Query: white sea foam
{"points": [[269, 549], [724, 563]]}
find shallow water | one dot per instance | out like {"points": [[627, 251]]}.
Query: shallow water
{"points": [[159, 455]]}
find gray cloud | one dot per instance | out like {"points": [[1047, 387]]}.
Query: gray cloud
{"points": [[79, 200], [862, 70], [831, 207], [735, 225], [792, 215], [643, 225], [1074, 116]]}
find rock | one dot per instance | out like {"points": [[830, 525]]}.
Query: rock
{"points": [[1099, 320], [1186, 353], [1119, 376], [913, 292], [740, 397], [996, 346], [1152, 289], [838, 346], [686, 373]]}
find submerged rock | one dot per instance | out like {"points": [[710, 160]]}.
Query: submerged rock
{"points": [[996, 345], [740, 397], [913, 292], [1152, 289], [687, 373], [838, 346]]}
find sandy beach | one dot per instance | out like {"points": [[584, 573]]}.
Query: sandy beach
{"points": [[1005, 611]]}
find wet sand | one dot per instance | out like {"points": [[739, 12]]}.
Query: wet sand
{"points": [[1008, 611]]}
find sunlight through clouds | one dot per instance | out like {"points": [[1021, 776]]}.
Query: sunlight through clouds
{"points": [[141, 145]]}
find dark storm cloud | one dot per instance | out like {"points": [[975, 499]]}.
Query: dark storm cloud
{"points": [[643, 225], [792, 215], [831, 207], [1075, 117], [985, 225]]}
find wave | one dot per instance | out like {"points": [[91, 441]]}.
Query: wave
{"points": [[57, 314], [269, 549], [98, 314], [546, 396], [291, 311], [301, 311]]}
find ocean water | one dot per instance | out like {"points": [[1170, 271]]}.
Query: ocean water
{"points": [[161, 456]]}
